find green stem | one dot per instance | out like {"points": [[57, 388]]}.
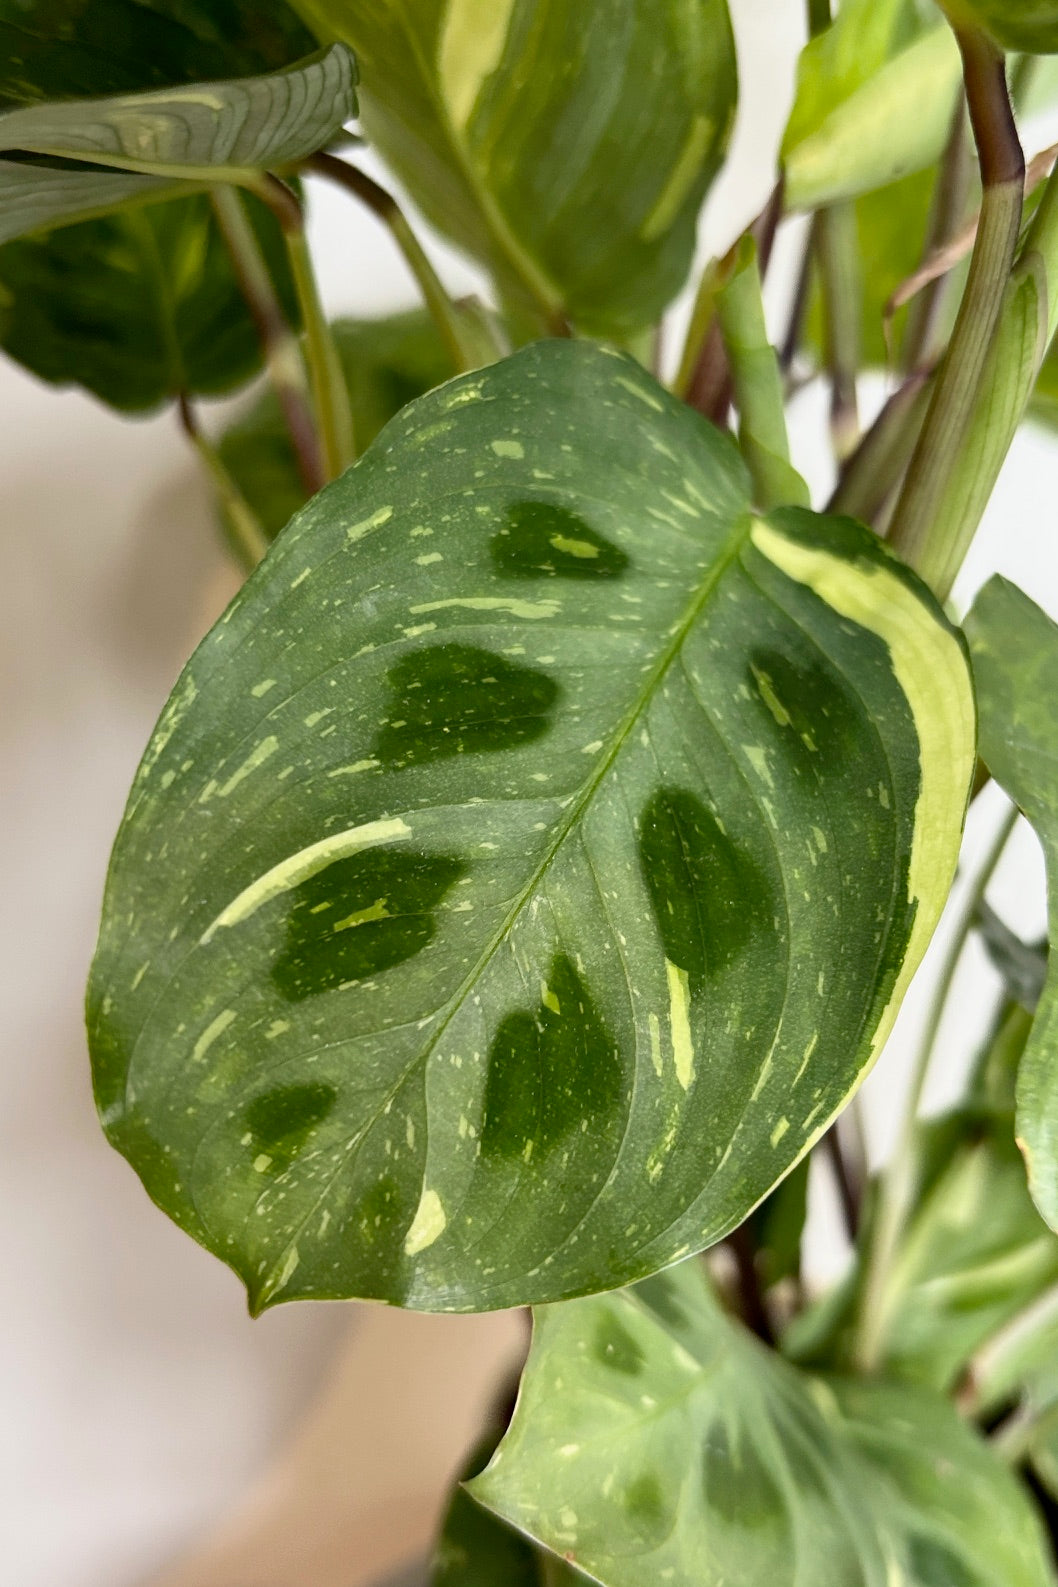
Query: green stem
{"points": [[875, 469], [329, 391], [246, 529], [818, 16], [925, 318], [914, 534], [837, 250], [897, 1183], [282, 350], [464, 351], [703, 316], [758, 384]]}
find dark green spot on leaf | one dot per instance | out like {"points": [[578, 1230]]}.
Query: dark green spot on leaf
{"points": [[461, 700], [542, 540], [615, 1347], [281, 1121], [709, 897], [361, 916], [549, 1071]]}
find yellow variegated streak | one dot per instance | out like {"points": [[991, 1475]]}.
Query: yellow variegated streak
{"points": [[931, 669], [682, 178], [299, 867], [475, 32]]}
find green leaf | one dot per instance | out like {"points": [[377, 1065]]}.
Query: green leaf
{"points": [[1015, 658], [1030, 25], [72, 49], [34, 197], [386, 364], [138, 306], [568, 147], [203, 130], [1023, 965], [656, 1441], [492, 915], [477, 1549], [875, 97]]}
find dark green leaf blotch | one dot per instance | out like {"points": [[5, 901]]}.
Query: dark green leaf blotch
{"points": [[540, 539], [458, 700], [359, 917]]}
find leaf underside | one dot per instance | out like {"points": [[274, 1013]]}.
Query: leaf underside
{"points": [[1015, 658], [529, 865], [656, 1441]]}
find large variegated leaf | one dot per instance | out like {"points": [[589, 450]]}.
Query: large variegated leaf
{"points": [[509, 121], [1015, 658], [244, 124], [656, 1441], [531, 862]]}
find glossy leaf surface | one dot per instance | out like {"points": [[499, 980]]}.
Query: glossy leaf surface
{"points": [[477, 1549], [137, 306], [490, 919], [386, 364], [567, 146], [1015, 657], [656, 1441], [242, 124], [875, 97]]}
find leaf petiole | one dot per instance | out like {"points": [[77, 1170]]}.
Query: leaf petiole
{"points": [[330, 395], [282, 350]]}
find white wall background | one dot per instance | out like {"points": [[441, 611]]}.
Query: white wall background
{"points": [[139, 1404]]}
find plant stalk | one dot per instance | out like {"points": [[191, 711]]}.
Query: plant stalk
{"points": [[947, 212], [897, 1183], [874, 471], [329, 392], [959, 378], [246, 528], [837, 252], [382, 204], [286, 367], [758, 384]]}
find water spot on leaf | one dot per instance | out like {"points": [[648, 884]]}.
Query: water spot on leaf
{"points": [[709, 897], [360, 916], [615, 1347], [540, 539], [281, 1121], [460, 699], [549, 1071]]}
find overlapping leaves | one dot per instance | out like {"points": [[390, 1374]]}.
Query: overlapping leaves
{"points": [[140, 302], [492, 919], [386, 363], [654, 1440], [568, 146]]}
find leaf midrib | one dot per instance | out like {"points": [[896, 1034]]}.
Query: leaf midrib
{"points": [[716, 571]]}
